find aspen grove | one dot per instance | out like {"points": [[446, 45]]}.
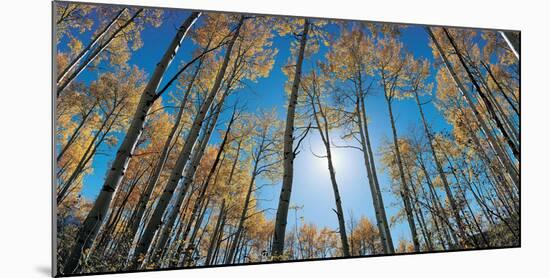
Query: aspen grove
{"points": [[188, 139]]}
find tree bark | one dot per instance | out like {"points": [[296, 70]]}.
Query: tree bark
{"points": [[69, 79], [496, 146], [323, 128], [288, 160], [439, 167], [170, 219], [153, 178], [183, 158], [91, 225], [486, 101], [378, 202], [87, 49], [404, 188]]}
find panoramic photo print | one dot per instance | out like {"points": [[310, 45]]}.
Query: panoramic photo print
{"points": [[190, 139]]}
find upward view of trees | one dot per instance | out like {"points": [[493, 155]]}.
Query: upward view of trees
{"points": [[189, 150]]}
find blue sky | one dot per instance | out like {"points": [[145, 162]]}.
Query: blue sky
{"points": [[312, 188]]}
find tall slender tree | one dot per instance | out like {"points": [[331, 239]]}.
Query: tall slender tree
{"points": [[350, 62], [324, 118], [176, 174], [91, 225], [389, 64], [289, 152]]}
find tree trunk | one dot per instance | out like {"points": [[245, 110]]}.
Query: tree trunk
{"points": [[439, 167], [418, 211], [183, 158], [323, 129], [97, 140], [215, 234], [486, 101], [510, 127], [378, 202], [510, 102], [91, 225], [432, 210], [496, 146], [493, 169], [87, 49], [93, 55], [153, 178], [288, 160], [197, 227], [170, 219], [512, 40], [76, 132], [116, 215], [404, 188], [232, 249]]}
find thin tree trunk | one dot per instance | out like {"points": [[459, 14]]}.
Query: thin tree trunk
{"points": [[155, 222], [197, 227], [495, 172], [486, 101], [218, 243], [215, 235], [188, 177], [404, 188], [508, 125], [87, 49], [187, 244], [88, 154], [115, 216], [419, 214], [510, 102], [476, 223], [153, 178], [324, 133], [288, 160], [512, 40], [434, 218], [183, 158], [91, 225], [76, 132], [439, 167], [378, 202], [244, 212], [496, 146], [69, 79], [203, 232], [437, 210]]}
